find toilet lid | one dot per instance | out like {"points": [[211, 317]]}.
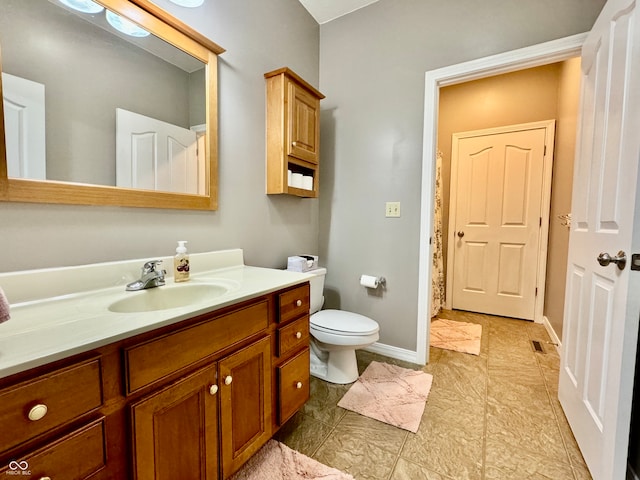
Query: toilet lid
{"points": [[345, 322]]}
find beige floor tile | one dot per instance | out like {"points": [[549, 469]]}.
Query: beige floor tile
{"points": [[304, 434], [452, 449], [506, 462], [492, 416], [406, 470], [323, 404], [527, 429], [363, 447]]}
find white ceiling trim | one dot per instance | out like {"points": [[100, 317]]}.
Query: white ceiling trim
{"points": [[326, 10]]}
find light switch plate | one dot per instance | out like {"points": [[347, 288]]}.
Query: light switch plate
{"points": [[392, 209]]}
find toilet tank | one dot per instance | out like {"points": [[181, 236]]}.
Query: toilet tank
{"points": [[317, 287]]}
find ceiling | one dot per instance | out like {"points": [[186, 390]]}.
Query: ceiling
{"points": [[326, 10]]}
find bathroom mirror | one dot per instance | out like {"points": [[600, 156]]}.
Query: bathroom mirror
{"points": [[106, 102]]}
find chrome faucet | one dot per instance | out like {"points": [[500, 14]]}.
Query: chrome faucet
{"points": [[151, 277]]}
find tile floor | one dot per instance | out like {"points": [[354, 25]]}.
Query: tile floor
{"points": [[492, 416]]}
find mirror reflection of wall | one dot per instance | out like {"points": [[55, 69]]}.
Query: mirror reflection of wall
{"points": [[88, 72]]}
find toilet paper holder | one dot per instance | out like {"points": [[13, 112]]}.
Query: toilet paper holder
{"points": [[371, 281]]}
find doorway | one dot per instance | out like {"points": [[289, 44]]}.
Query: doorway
{"points": [[543, 54]]}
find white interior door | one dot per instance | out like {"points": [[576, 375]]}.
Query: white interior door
{"points": [[601, 309], [496, 219], [24, 122], [155, 155]]}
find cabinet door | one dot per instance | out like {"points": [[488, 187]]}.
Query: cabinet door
{"points": [[304, 124], [245, 404], [175, 432]]}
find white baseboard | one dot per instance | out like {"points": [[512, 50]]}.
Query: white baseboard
{"points": [[552, 333], [393, 352]]}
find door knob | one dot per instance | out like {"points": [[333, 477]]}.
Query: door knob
{"points": [[460, 234], [620, 260]]}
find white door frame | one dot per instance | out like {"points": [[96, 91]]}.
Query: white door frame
{"points": [[545, 204], [528, 57]]}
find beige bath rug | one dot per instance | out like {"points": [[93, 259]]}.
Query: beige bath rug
{"points": [[391, 394], [459, 336], [276, 461]]}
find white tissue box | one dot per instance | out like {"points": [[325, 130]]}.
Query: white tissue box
{"points": [[302, 263]]}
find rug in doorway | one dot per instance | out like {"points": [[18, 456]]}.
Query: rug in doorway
{"points": [[453, 335], [390, 394], [276, 461]]}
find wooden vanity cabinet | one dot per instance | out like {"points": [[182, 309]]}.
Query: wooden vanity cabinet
{"points": [[194, 400], [291, 353], [293, 132]]}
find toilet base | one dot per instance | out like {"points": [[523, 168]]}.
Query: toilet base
{"points": [[340, 367]]}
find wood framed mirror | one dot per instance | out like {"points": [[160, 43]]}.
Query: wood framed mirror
{"points": [[121, 120]]}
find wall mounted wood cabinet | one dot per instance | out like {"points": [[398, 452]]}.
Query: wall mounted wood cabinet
{"points": [[191, 400], [293, 134]]}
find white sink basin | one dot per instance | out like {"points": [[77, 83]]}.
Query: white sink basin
{"points": [[166, 297]]}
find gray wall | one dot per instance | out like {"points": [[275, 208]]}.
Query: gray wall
{"points": [[372, 66], [259, 37]]}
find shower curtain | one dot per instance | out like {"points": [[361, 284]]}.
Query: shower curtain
{"points": [[437, 269]]}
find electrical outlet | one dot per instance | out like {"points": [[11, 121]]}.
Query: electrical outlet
{"points": [[392, 209]]}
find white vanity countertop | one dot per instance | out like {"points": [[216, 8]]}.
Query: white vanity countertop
{"points": [[44, 328]]}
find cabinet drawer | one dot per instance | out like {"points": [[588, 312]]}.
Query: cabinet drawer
{"points": [[293, 385], [77, 455], [293, 303], [56, 398], [292, 336], [158, 358]]}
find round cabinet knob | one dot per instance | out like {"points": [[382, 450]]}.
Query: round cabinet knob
{"points": [[298, 303], [299, 385], [460, 234], [45, 478], [213, 389], [228, 379], [298, 334], [37, 412]]}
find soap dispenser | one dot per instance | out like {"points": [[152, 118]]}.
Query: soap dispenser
{"points": [[181, 263]]}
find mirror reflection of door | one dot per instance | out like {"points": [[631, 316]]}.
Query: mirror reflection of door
{"points": [[155, 155], [24, 123]]}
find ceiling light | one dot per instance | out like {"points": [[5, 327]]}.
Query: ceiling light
{"points": [[84, 6], [125, 26], [188, 3]]}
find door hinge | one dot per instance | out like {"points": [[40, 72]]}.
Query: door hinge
{"points": [[545, 151], [536, 292], [540, 223]]}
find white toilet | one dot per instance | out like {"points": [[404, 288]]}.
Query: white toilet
{"points": [[335, 336]]}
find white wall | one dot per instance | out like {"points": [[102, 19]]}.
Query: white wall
{"points": [[258, 36], [372, 66]]}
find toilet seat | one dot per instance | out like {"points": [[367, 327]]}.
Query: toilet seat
{"points": [[343, 323]]}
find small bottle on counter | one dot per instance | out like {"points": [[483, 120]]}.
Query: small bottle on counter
{"points": [[181, 263]]}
